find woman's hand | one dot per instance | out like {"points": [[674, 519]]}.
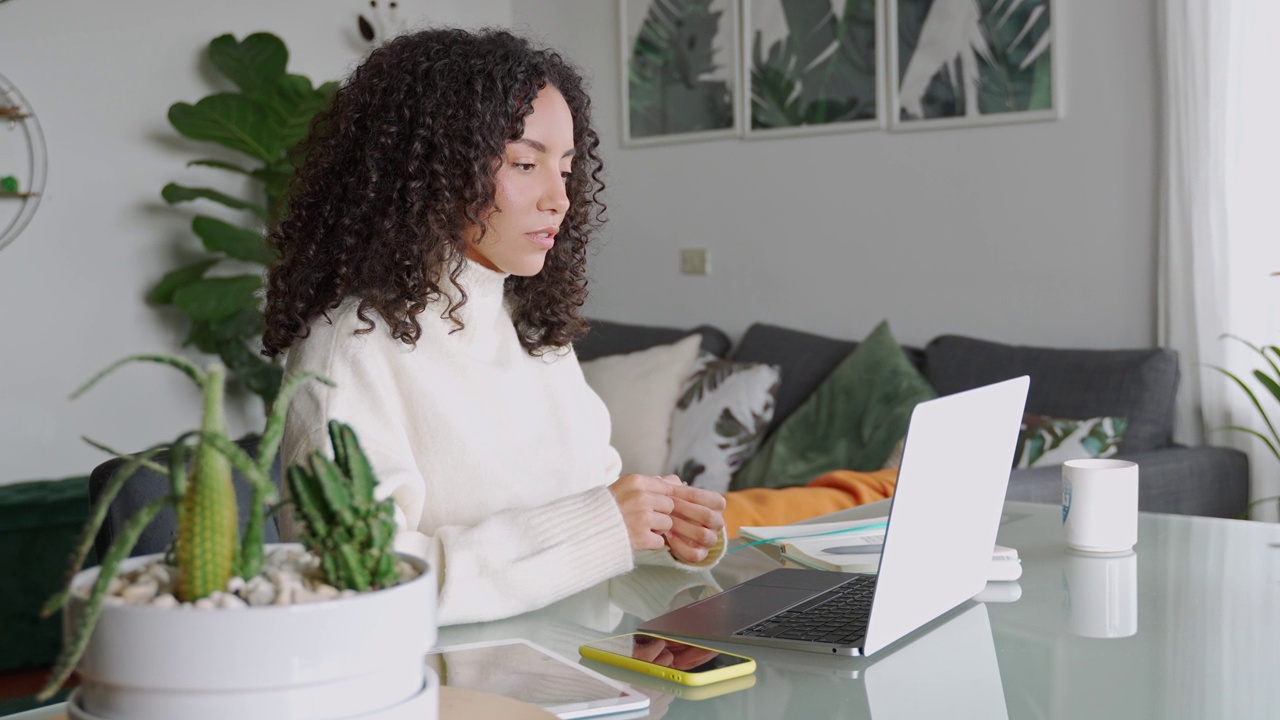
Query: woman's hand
{"points": [[696, 521], [663, 511]]}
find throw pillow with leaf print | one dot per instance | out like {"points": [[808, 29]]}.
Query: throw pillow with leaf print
{"points": [[1047, 440], [720, 419]]}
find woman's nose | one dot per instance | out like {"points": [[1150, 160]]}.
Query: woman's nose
{"points": [[555, 197]]}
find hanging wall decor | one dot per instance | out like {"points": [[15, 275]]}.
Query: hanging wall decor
{"points": [[22, 162], [679, 70], [812, 66], [972, 62]]}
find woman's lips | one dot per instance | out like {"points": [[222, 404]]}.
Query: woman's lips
{"points": [[545, 241]]}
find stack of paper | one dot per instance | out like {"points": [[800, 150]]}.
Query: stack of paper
{"points": [[853, 546]]}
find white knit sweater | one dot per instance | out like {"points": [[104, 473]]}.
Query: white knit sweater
{"points": [[498, 461]]}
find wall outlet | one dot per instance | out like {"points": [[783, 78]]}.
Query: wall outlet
{"points": [[693, 261]]}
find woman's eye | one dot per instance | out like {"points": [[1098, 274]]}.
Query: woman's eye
{"points": [[522, 166]]}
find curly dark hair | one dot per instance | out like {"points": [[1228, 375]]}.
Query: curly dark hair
{"points": [[400, 166]]}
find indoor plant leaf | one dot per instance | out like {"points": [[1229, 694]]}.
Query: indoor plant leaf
{"points": [[214, 298], [174, 193], [221, 165], [254, 64], [237, 242], [162, 293], [234, 121], [295, 102]]}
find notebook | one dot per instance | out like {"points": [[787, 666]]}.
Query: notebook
{"points": [[937, 545], [853, 546]]}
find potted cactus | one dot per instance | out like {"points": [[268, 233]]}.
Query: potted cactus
{"points": [[227, 627]]}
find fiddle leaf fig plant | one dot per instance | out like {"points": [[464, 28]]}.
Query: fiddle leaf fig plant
{"points": [[207, 552], [264, 122]]}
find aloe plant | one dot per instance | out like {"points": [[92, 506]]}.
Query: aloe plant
{"points": [[344, 525], [265, 121], [1270, 383], [207, 551]]}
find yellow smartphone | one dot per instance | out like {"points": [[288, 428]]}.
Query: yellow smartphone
{"points": [[676, 690], [669, 659]]}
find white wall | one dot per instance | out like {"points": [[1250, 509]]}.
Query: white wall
{"points": [[1039, 233], [101, 76]]}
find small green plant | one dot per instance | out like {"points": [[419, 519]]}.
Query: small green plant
{"points": [[1271, 384], [264, 122], [345, 526], [207, 552]]}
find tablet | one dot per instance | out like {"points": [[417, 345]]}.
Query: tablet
{"points": [[530, 673]]}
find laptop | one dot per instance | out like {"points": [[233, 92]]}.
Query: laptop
{"points": [[942, 525]]}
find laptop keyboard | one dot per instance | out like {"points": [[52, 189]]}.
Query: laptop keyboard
{"points": [[838, 616]]}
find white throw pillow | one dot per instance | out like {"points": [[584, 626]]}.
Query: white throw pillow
{"points": [[721, 419], [640, 389]]}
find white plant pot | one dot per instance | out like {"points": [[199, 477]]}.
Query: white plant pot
{"points": [[356, 657]]}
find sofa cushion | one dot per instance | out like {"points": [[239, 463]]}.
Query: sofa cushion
{"points": [[1053, 441], [1138, 385], [720, 420], [614, 338], [805, 360], [640, 390], [852, 421]]}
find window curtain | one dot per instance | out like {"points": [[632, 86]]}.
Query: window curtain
{"points": [[1218, 240]]}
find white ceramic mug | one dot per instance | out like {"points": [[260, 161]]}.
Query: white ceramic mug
{"points": [[1101, 595], [1100, 505]]}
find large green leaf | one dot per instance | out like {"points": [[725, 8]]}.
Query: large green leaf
{"points": [[295, 102], [174, 193], [162, 293], [260, 376], [234, 121], [237, 242], [242, 326], [221, 165], [255, 64], [216, 298]]}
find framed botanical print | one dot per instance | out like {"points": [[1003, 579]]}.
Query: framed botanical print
{"points": [[679, 70], [972, 62], [812, 66]]}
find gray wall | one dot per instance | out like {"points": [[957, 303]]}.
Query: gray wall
{"points": [[1036, 233], [101, 76], [1040, 233]]}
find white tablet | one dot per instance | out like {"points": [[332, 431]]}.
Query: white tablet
{"points": [[527, 672]]}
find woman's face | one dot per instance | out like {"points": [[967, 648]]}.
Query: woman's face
{"points": [[529, 195]]}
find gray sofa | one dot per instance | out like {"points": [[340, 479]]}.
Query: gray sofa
{"points": [[1137, 384]]}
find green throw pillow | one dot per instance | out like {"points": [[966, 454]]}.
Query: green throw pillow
{"points": [[851, 422]]}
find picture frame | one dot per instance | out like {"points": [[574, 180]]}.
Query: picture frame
{"points": [[812, 67], [939, 79], [679, 70]]}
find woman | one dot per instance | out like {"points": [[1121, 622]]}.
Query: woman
{"points": [[432, 264]]}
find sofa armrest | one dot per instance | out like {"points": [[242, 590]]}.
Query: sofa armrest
{"points": [[1204, 480]]}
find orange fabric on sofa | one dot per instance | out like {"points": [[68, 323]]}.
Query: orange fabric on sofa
{"points": [[830, 492]]}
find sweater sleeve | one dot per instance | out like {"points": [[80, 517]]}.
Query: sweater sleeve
{"points": [[547, 552]]}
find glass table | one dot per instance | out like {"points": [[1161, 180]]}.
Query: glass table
{"points": [[1186, 627]]}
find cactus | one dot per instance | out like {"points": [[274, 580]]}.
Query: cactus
{"points": [[207, 552], [345, 526]]}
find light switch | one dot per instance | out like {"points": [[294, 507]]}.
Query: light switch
{"points": [[693, 261]]}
